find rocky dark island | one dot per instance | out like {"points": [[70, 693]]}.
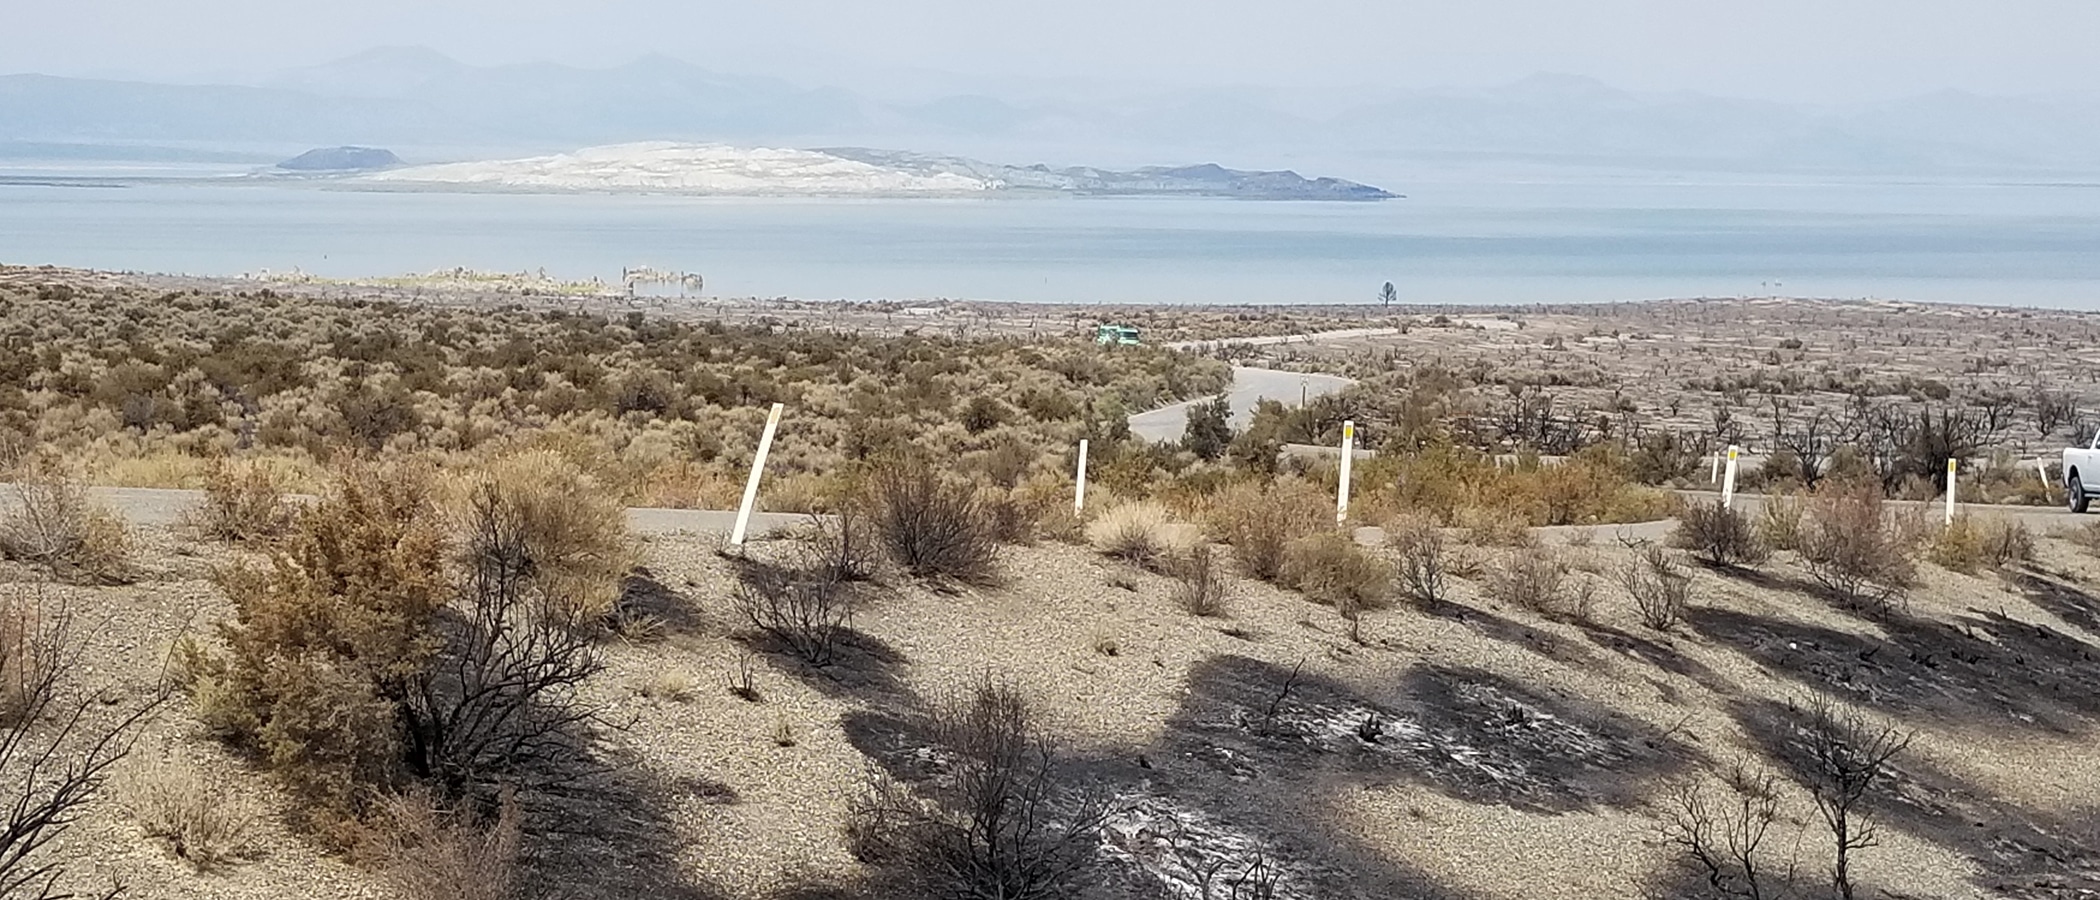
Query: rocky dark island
{"points": [[342, 159]]}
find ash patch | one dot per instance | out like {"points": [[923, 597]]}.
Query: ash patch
{"points": [[1177, 852], [1466, 733]]}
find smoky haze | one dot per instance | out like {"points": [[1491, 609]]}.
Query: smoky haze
{"points": [[1811, 51]]}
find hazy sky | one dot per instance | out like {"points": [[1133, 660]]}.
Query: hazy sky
{"points": [[1819, 50]]}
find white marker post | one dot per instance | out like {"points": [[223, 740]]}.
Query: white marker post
{"points": [[1341, 497], [1952, 465], [758, 465], [1715, 475], [1728, 481], [2041, 468], [1079, 488]]}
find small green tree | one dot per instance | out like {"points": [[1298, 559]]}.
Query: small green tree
{"points": [[1387, 295], [1209, 429]]}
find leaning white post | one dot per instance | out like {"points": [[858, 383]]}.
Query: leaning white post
{"points": [[1079, 487], [2041, 468], [1952, 465], [758, 465], [1341, 497], [1715, 475], [1728, 481]]}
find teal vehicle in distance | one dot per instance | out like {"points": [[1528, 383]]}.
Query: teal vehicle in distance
{"points": [[1116, 334]]}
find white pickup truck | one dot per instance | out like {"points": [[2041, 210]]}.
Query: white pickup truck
{"points": [[2077, 461]]}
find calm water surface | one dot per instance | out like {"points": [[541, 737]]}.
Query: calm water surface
{"points": [[1459, 237]]}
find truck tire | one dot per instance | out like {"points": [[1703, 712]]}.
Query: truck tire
{"points": [[2074, 491]]}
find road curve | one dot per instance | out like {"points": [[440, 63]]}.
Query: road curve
{"points": [[1249, 385]]}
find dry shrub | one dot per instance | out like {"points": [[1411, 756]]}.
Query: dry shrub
{"points": [[1012, 522], [1596, 486], [1720, 536], [1199, 582], [203, 824], [341, 621], [1779, 522], [1495, 527], [1661, 589], [1418, 548], [669, 685], [14, 448], [1140, 533], [359, 666], [431, 853], [1260, 521], [564, 531], [2007, 542], [1854, 549], [933, 527], [1330, 567], [242, 502], [1535, 581], [1957, 547], [52, 523]]}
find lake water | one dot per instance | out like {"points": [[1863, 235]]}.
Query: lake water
{"points": [[1460, 237]]}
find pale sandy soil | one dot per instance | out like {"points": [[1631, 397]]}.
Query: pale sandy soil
{"points": [[1524, 758]]}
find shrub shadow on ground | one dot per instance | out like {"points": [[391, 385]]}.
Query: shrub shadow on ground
{"points": [[1469, 734], [1658, 652], [2018, 852], [1510, 631], [862, 667], [604, 828], [2062, 600], [1982, 668], [645, 598]]}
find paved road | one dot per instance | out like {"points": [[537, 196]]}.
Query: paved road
{"points": [[162, 507], [1266, 340], [1249, 385]]}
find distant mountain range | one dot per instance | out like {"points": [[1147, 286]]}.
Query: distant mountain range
{"points": [[412, 98]]}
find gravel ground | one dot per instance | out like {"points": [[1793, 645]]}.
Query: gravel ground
{"points": [[1535, 753]]}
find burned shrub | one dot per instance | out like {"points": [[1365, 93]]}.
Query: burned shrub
{"points": [[52, 523], [807, 612], [1854, 551], [996, 820], [1660, 588], [1418, 546], [933, 527], [1720, 536], [48, 736]]}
